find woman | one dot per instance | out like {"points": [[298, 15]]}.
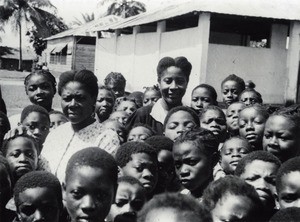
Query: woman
{"points": [[173, 77], [78, 91]]}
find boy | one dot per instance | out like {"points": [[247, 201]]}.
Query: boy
{"points": [[287, 183], [173, 207], [38, 197], [139, 160], [130, 198], [193, 154], [57, 118], [90, 184]]}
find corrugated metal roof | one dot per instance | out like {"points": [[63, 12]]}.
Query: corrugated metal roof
{"points": [[84, 30], [276, 9]]}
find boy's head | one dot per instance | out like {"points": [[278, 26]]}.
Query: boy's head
{"points": [[37, 121], [57, 118], [252, 121], [259, 169], [213, 118], [21, 152], [202, 96], [116, 126], [250, 97], [140, 132], [38, 197], [232, 117], [174, 207], [105, 103], [232, 199], [287, 183], [232, 151], [5, 182], [130, 198], [291, 214], [121, 116], [231, 87], [193, 154], [90, 184], [139, 160], [125, 104], [116, 82], [151, 95]]}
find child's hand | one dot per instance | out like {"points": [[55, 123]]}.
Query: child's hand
{"points": [[20, 130]]}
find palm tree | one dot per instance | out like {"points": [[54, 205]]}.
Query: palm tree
{"points": [[126, 8], [85, 19], [20, 11]]}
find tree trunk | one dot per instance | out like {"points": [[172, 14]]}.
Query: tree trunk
{"points": [[20, 46]]}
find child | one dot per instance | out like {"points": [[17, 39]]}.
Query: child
{"points": [[259, 169], [252, 121], [232, 151], [287, 183], [56, 119], [5, 187], [173, 207], [140, 132], [213, 118], [282, 135], [121, 116], [178, 120], [151, 95], [137, 98], [231, 87], [202, 96], [250, 97], [126, 105], [90, 184], [36, 120], [130, 198], [116, 82], [232, 199], [104, 104], [194, 159], [117, 127], [38, 197], [166, 173], [21, 152], [232, 117], [139, 160]]}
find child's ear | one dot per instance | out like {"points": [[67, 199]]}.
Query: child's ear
{"points": [[120, 172]]}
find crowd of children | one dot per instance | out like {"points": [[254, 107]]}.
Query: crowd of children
{"points": [[110, 155]]}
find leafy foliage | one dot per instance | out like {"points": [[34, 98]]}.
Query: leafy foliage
{"points": [[126, 8]]}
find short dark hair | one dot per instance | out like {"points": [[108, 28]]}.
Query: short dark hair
{"points": [[43, 73], [203, 139], [230, 185], [291, 113], [208, 88], [260, 108], [259, 97], [125, 151], [34, 108], [38, 179], [291, 214], [160, 142], [122, 99], [153, 132], [255, 155], [96, 158], [115, 77], [237, 79], [212, 107], [182, 108], [240, 138], [85, 77], [179, 62], [179, 202], [288, 166]]}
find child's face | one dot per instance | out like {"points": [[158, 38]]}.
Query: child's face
{"points": [[192, 166], [252, 124], [173, 84], [118, 89], [89, 193], [56, 120], [249, 98], [38, 204], [38, 124], [121, 116], [144, 168], [40, 91], [22, 156], [150, 97], [115, 126], [201, 98], [166, 167], [233, 208], [232, 151], [230, 91], [130, 198], [139, 133], [289, 195], [232, 116], [262, 176], [171, 215], [5, 186], [104, 104], [214, 121], [127, 106], [178, 123], [281, 138]]}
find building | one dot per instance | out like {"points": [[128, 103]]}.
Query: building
{"points": [[258, 40]]}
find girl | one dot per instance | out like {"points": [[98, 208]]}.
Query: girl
{"points": [[202, 96], [231, 87], [232, 117], [151, 95]]}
